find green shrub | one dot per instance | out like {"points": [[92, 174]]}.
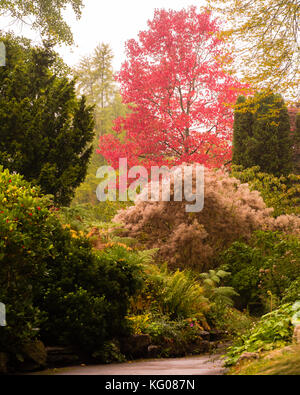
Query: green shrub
{"points": [[178, 294], [182, 296], [292, 293], [262, 133], [274, 330], [26, 226], [280, 193], [162, 329], [214, 289], [174, 336], [263, 269], [230, 320], [46, 130], [53, 280], [84, 216], [220, 314], [85, 295], [175, 306], [244, 263]]}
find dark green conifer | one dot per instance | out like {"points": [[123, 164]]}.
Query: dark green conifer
{"points": [[262, 134], [45, 130]]}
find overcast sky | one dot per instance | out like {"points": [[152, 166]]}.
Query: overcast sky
{"points": [[109, 21]]}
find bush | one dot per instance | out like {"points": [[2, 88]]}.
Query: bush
{"points": [[200, 301], [26, 226], [85, 216], [280, 193], [292, 293], [193, 240], [161, 328], [244, 263], [52, 279], [221, 314], [264, 268], [182, 296], [230, 320], [85, 295], [177, 295], [274, 330]]}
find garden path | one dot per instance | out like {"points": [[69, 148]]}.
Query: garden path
{"points": [[194, 365]]}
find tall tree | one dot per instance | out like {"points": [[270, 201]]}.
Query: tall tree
{"points": [[262, 134], [266, 41], [296, 138], [45, 131], [44, 15], [178, 93], [96, 80], [242, 130]]}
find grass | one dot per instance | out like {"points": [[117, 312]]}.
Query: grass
{"points": [[284, 361]]}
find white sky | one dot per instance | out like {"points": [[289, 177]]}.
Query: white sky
{"points": [[111, 21]]}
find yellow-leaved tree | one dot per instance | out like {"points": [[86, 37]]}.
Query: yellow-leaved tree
{"points": [[266, 42]]}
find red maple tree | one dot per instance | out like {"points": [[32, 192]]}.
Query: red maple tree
{"points": [[179, 94]]}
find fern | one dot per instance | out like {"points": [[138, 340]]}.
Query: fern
{"points": [[183, 295], [147, 256], [213, 290]]}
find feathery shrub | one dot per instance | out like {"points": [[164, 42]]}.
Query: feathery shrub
{"points": [[193, 240]]}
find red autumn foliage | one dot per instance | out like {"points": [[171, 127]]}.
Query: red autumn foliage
{"points": [[178, 92]]}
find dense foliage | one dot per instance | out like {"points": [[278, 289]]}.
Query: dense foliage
{"points": [[174, 294], [281, 193], [193, 240], [85, 296], [265, 41], [262, 134], [52, 279], [173, 307], [175, 84], [45, 131], [292, 293], [274, 330], [25, 242], [263, 269]]}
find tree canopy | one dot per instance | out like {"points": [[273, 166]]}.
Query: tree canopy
{"points": [[265, 37], [174, 82], [44, 15], [262, 134]]}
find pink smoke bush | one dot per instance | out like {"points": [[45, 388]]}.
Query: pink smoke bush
{"points": [[193, 240]]}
